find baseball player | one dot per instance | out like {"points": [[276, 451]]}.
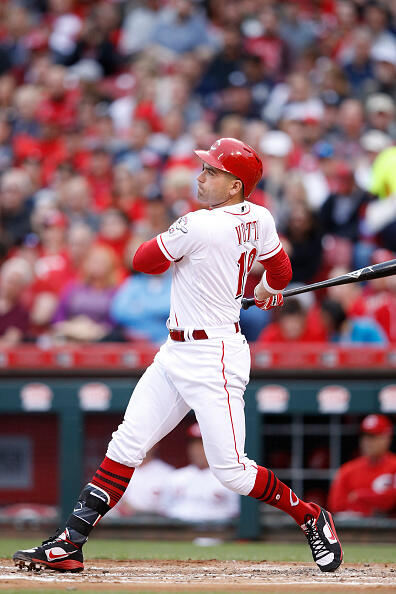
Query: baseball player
{"points": [[366, 485], [204, 365]]}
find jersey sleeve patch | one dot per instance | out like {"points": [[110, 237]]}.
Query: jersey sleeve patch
{"points": [[187, 235]]}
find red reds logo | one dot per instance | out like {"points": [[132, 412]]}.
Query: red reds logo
{"points": [[382, 483], [36, 397]]}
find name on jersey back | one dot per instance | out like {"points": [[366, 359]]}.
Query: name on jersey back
{"points": [[247, 231]]}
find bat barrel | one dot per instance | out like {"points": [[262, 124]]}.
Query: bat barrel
{"points": [[380, 270]]}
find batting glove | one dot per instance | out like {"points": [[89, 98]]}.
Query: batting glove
{"points": [[270, 302]]}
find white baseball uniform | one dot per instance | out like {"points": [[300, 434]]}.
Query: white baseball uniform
{"points": [[213, 252]]}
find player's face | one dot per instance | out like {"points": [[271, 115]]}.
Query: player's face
{"points": [[374, 445], [214, 185]]}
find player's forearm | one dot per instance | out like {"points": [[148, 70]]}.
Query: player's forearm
{"points": [[149, 258], [276, 277]]}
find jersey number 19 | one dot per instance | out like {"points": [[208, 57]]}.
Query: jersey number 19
{"points": [[245, 264]]}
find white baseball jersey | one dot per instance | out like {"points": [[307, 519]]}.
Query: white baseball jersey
{"points": [[209, 280]]}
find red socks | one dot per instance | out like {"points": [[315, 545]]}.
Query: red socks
{"points": [[113, 478], [271, 490]]}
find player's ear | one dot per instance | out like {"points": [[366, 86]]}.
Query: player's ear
{"points": [[236, 187]]}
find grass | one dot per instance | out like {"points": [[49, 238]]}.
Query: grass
{"points": [[238, 551]]}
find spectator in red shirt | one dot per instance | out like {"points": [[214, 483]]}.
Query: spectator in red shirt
{"points": [[126, 195], [99, 177], [378, 300], [115, 233], [53, 267], [269, 45], [292, 326], [59, 102], [53, 270], [77, 156], [367, 485]]}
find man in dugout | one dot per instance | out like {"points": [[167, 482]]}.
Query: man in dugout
{"points": [[366, 486]]}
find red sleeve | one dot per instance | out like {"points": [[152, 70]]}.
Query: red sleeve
{"points": [[149, 258], [278, 270], [338, 496]]}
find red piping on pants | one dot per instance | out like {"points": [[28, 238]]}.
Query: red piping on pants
{"points": [[229, 408]]}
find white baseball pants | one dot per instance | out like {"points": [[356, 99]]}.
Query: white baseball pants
{"points": [[208, 376]]}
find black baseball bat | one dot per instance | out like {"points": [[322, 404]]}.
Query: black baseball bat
{"points": [[368, 273]]}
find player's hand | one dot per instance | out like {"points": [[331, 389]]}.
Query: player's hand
{"points": [[269, 302]]}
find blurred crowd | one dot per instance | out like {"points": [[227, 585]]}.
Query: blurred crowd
{"points": [[102, 104]]}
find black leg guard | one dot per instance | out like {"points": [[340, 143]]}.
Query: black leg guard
{"points": [[92, 505]]}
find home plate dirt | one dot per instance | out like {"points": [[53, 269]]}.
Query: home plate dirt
{"points": [[223, 576]]}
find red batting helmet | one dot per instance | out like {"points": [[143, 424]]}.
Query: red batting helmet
{"points": [[236, 157]]}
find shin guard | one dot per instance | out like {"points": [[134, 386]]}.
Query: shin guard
{"points": [[92, 505]]}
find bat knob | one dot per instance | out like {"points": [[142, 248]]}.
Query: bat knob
{"points": [[245, 303]]}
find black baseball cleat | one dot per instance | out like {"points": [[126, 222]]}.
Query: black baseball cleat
{"points": [[57, 552], [322, 538]]}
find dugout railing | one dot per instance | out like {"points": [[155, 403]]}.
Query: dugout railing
{"points": [[305, 397]]}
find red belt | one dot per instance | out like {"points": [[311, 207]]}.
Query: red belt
{"points": [[178, 335]]}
